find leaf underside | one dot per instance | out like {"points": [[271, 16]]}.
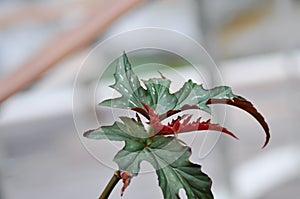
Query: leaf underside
{"points": [[181, 124], [248, 107]]}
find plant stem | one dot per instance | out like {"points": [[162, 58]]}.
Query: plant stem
{"points": [[110, 186]]}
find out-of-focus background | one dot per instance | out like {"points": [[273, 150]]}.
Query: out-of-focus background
{"points": [[255, 44]]}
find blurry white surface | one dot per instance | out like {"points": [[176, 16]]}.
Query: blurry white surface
{"points": [[276, 167]]}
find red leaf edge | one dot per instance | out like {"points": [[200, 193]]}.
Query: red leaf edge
{"points": [[248, 107], [181, 124]]}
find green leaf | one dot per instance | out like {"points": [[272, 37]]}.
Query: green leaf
{"points": [[127, 131], [166, 154], [194, 94], [128, 85], [174, 170], [157, 93], [158, 97]]}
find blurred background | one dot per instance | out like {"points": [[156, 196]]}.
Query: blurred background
{"points": [[255, 44]]}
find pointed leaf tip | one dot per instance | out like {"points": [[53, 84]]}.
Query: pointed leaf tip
{"points": [[247, 106], [88, 132]]}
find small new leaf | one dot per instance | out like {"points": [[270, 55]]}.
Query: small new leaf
{"points": [[181, 124]]}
